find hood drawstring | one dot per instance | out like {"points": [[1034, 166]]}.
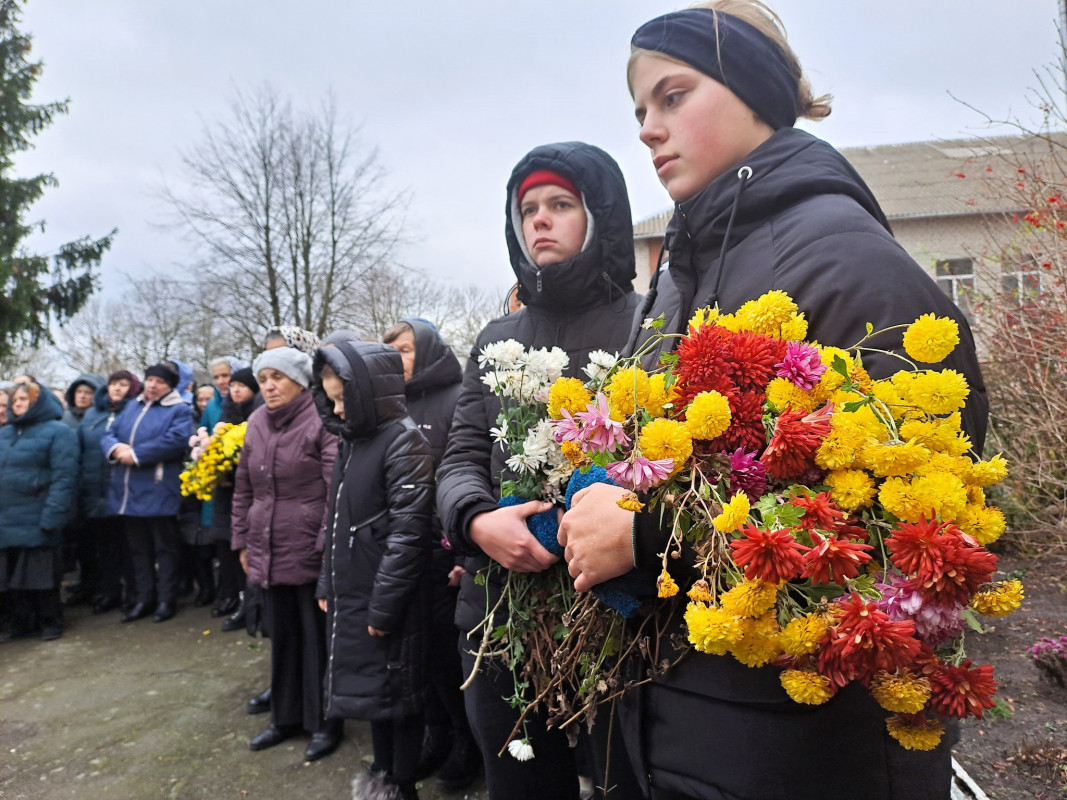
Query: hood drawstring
{"points": [[743, 175]]}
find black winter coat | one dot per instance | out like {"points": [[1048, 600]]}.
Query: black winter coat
{"points": [[580, 305], [378, 539], [807, 224], [432, 394]]}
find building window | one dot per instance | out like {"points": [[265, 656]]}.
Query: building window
{"points": [[955, 276], [1021, 283]]}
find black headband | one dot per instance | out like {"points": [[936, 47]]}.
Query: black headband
{"points": [[745, 61]]}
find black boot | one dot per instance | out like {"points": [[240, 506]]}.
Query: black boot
{"points": [[260, 704], [435, 749], [236, 620], [463, 766]]}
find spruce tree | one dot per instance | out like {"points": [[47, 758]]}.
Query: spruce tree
{"points": [[38, 290]]}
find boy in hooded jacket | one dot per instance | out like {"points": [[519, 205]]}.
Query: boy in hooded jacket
{"points": [[376, 557], [570, 238]]}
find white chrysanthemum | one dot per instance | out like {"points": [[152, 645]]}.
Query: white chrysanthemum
{"points": [[520, 749], [505, 354], [600, 364], [520, 463], [539, 441], [499, 435]]}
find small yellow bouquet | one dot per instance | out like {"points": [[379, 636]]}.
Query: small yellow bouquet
{"points": [[214, 460]]}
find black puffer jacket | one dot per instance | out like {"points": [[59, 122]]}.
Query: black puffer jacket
{"points": [[580, 305], [432, 395], [378, 539], [805, 223]]}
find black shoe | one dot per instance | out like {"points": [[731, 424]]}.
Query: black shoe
{"points": [[18, 632], [78, 595], [435, 749], [164, 611], [50, 633], [225, 606], [205, 596], [101, 605], [321, 745], [274, 734], [463, 767], [236, 620], [137, 611], [260, 704]]}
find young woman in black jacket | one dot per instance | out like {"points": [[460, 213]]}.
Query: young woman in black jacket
{"points": [[760, 206], [376, 557], [569, 235]]}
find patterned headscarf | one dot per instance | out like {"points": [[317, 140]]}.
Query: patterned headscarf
{"points": [[297, 338]]}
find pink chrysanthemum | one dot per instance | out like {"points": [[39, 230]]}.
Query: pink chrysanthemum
{"points": [[935, 623], [747, 475], [801, 365], [641, 474], [599, 429]]}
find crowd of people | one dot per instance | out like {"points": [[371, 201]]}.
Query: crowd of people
{"points": [[364, 507]]}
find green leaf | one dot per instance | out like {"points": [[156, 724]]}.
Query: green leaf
{"points": [[840, 366], [855, 405], [870, 329], [972, 620]]}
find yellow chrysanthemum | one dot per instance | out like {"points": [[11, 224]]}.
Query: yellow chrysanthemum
{"points": [[891, 398], [700, 592], [730, 322], [569, 394], [847, 439], [984, 523], [937, 435], [802, 636], [666, 438], [734, 514], [711, 630], [750, 598], [627, 391], [862, 417], [943, 493], [659, 395], [768, 313], [924, 735], [930, 339], [903, 691], [806, 686], [708, 416], [666, 586], [704, 316], [897, 458], [899, 498], [986, 473], [795, 329], [758, 644], [1002, 598], [975, 496], [574, 453], [784, 394], [851, 489], [938, 392], [943, 462], [629, 502]]}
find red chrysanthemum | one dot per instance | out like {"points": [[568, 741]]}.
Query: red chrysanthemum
{"points": [[962, 570], [848, 529], [834, 560], [769, 556], [753, 359], [819, 512], [959, 691], [865, 640], [746, 424], [917, 546], [703, 362], [797, 435]]}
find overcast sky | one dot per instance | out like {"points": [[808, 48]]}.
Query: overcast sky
{"points": [[454, 94]]}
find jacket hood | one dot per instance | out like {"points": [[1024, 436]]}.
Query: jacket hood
{"points": [[436, 366], [101, 402], [46, 407], [373, 377], [789, 167], [185, 377], [604, 270], [90, 379]]}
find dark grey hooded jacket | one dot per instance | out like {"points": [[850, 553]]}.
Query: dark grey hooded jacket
{"points": [[378, 538], [807, 224], [586, 303]]}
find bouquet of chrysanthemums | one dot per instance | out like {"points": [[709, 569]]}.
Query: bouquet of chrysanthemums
{"points": [[213, 460], [836, 524]]}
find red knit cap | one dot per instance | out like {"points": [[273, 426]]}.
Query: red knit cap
{"points": [[546, 177]]}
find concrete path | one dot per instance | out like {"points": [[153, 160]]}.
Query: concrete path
{"points": [[145, 710]]}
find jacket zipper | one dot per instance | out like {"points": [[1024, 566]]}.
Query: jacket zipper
{"points": [[126, 479], [333, 581]]}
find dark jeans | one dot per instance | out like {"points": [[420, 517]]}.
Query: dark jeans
{"points": [[231, 576], [550, 774], [106, 538], [154, 545], [297, 658], [397, 746]]}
